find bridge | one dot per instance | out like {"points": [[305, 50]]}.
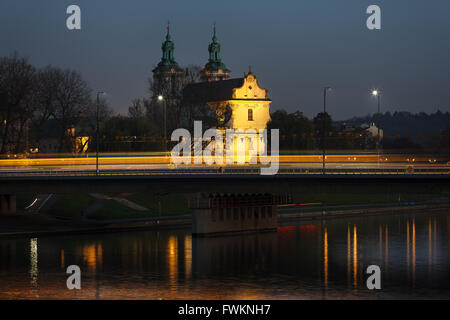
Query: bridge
{"points": [[221, 180], [298, 174]]}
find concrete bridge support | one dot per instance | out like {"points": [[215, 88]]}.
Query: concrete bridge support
{"points": [[7, 203], [235, 213]]}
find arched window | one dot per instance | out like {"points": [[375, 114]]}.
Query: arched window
{"points": [[250, 114]]}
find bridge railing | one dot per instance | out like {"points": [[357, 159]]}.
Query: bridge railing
{"points": [[224, 171]]}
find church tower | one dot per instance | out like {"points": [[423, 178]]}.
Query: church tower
{"points": [[167, 76], [215, 69]]}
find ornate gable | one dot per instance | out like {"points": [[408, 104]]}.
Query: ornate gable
{"points": [[250, 89]]}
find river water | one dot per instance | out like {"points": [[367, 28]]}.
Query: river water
{"points": [[309, 260]]}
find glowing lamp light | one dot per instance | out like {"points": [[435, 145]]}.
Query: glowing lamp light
{"points": [[160, 97], [375, 92]]}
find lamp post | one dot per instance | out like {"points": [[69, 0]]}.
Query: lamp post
{"points": [[161, 98], [97, 128], [377, 93], [325, 90]]}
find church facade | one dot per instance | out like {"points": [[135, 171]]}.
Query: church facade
{"points": [[240, 104]]}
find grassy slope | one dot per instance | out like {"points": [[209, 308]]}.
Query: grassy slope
{"points": [[24, 200], [171, 204], [176, 204], [71, 205]]}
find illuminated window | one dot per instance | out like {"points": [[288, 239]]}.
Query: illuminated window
{"points": [[250, 114]]}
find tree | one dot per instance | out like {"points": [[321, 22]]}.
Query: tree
{"points": [[323, 126], [17, 81], [47, 81], [73, 97], [136, 110], [123, 133], [178, 114], [295, 129]]}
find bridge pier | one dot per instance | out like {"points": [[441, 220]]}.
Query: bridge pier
{"points": [[7, 203], [235, 213]]}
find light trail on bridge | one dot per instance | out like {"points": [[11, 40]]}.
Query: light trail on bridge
{"points": [[158, 163]]}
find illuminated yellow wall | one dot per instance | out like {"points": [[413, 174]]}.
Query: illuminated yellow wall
{"points": [[249, 96]]}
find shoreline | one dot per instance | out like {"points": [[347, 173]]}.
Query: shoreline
{"points": [[182, 222]]}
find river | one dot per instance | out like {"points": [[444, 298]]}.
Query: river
{"points": [[322, 259]]}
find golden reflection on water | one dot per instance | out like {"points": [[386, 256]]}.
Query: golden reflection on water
{"points": [[172, 261], [355, 256], [349, 254], [63, 262], [408, 258], [93, 256], [386, 250], [188, 256], [430, 250], [325, 258], [34, 269], [434, 240], [414, 252], [380, 241]]}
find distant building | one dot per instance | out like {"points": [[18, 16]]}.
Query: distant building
{"points": [[76, 138], [372, 130]]}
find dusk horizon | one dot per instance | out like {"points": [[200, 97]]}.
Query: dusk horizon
{"points": [[314, 45]]}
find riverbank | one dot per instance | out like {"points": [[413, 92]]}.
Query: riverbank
{"points": [[25, 225]]}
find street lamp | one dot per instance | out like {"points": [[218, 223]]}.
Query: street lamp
{"points": [[97, 128], [161, 98], [325, 90], [377, 93]]}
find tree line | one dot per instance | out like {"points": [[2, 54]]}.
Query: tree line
{"points": [[50, 103], [30, 97]]}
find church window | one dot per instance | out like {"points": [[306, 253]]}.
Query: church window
{"points": [[250, 114]]}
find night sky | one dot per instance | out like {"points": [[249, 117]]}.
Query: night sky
{"points": [[294, 47]]}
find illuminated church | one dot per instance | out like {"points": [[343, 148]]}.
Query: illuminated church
{"points": [[238, 103]]}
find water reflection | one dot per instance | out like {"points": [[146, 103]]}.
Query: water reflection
{"points": [[324, 259], [355, 256], [349, 254], [34, 270]]}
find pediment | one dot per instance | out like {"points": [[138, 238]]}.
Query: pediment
{"points": [[250, 89]]}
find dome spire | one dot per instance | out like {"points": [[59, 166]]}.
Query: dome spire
{"points": [[168, 49], [168, 31], [215, 69], [214, 38]]}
